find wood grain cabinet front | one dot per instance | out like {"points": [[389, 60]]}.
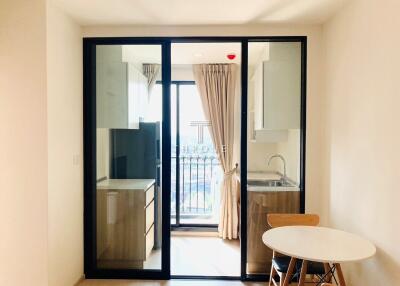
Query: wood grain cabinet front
{"points": [[125, 226], [149, 216], [259, 205]]}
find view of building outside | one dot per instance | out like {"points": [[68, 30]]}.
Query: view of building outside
{"points": [[200, 173]]}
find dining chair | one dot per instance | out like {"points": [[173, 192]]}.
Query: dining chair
{"points": [[280, 263]]}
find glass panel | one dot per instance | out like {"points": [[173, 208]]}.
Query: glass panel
{"points": [[128, 115], [173, 152], [273, 139], [200, 172]]}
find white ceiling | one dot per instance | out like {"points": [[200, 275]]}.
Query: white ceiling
{"points": [[203, 53], [198, 12], [193, 53]]}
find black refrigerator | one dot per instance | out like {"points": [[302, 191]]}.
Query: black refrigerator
{"points": [[136, 154]]}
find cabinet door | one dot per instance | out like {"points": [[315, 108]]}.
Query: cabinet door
{"points": [[282, 87], [144, 95], [133, 97], [258, 98], [111, 91]]}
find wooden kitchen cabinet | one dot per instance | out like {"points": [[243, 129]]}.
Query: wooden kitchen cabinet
{"points": [[259, 205], [125, 222]]}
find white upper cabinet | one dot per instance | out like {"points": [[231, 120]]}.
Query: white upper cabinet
{"points": [[121, 90], [258, 97], [277, 89]]}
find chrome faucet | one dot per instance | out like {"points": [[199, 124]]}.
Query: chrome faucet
{"points": [[284, 165]]}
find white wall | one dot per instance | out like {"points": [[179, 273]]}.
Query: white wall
{"points": [[181, 72], [362, 46], [41, 134], [65, 175], [290, 149], [23, 143]]}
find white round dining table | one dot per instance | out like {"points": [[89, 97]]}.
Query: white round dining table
{"points": [[318, 244]]}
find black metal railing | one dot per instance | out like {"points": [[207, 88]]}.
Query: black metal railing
{"points": [[199, 178]]}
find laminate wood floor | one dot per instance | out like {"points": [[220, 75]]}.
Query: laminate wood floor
{"points": [[204, 256], [194, 254], [200, 254], [168, 283]]}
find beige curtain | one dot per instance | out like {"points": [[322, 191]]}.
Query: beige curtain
{"points": [[216, 85], [151, 72]]}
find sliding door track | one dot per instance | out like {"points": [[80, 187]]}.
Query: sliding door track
{"points": [[201, 277]]}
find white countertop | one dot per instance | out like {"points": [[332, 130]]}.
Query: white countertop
{"points": [[260, 176], [125, 184], [261, 189], [318, 244], [265, 176]]}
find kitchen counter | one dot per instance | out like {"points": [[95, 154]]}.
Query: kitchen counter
{"points": [[260, 176], [125, 184], [272, 189], [269, 176], [263, 176], [125, 220]]}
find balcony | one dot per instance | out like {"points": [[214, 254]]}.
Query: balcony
{"points": [[195, 199]]}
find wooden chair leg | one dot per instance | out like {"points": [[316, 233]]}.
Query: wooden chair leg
{"points": [[340, 274], [303, 273], [271, 275], [327, 268], [282, 279], [289, 272]]}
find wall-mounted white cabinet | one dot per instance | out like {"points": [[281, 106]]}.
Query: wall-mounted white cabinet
{"points": [[277, 92], [258, 83], [121, 90]]}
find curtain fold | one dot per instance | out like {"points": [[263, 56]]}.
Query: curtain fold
{"points": [[216, 84], [151, 71]]}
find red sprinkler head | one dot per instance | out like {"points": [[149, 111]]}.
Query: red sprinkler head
{"points": [[231, 56]]}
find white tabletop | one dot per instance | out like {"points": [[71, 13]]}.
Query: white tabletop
{"points": [[319, 244]]}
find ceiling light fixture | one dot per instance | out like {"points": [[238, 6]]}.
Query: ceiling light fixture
{"points": [[198, 55]]}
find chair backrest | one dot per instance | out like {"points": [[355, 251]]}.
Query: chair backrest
{"points": [[277, 220]]}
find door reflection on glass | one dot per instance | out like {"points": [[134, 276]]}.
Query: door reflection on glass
{"points": [[273, 141]]}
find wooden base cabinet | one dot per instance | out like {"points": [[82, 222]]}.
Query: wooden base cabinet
{"points": [[125, 225], [259, 205]]}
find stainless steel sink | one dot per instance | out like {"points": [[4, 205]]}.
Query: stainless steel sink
{"points": [[268, 183]]}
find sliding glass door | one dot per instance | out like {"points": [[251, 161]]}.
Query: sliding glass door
{"points": [[274, 141], [139, 180], [127, 159]]}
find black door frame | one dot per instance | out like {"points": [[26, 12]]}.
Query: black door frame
{"points": [[89, 135], [89, 108]]}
